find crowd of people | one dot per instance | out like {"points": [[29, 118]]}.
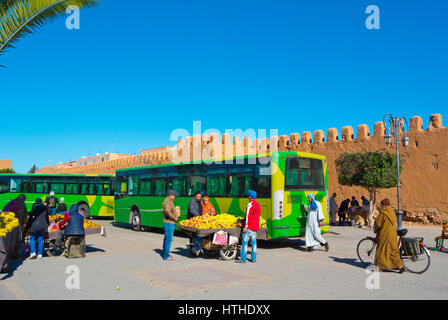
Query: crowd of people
{"points": [[36, 222], [385, 226], [350, 211], [201, 205]]}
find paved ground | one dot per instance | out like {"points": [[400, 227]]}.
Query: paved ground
{"points": [[131, 261]]}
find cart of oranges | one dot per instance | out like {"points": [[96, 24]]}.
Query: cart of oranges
{"points": [[57, 218], [220, 233]]}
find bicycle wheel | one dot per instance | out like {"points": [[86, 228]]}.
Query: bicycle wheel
{"points": [[417, 264], [366, 251]]}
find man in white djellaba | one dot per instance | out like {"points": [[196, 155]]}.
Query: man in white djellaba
{"points": [[313, 235]]}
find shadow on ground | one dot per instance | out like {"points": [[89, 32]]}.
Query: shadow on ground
{"points": [[90, 249], [350, 261], [13, 266]]}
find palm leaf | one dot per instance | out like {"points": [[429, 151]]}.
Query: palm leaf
{"points": [[19, 18]]}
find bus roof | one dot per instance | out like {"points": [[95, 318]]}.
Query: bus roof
{"points": [[55, 175], [268, 154]]}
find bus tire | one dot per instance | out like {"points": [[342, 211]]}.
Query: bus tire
{"points": [[85, 209], [136, 221]]}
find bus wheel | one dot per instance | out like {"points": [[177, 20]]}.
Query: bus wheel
{"points": [[85, 209], [136, 221]]}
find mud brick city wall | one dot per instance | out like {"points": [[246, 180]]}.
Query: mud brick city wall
{"points": [[423, 179]]}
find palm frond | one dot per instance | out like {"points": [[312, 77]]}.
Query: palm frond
{"points": [[19, 18]]}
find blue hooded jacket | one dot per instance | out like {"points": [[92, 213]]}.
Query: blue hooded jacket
{"points": [[75, 226]]}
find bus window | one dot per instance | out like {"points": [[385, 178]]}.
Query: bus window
{"points": [[87, 188], [133, 185], [196, 183], [40, 187], [159, 187], [262, 181], [15, 185], [145, 187], [304, 173], [292, 178], [177, 184], [216, 186], [239, 185], [4, 184], [217, 182], [107, 189], [57, 188], [27, 187], [71, 188], [240, 181], [99, 189]]}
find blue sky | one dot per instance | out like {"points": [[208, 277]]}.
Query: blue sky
{"points": [[131, 75]]}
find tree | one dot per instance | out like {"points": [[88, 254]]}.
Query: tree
{"points": [[370, 170], [33, 169], [19, 18], [7, 171]]}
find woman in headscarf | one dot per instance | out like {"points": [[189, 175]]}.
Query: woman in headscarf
{"points": [[313, 235], [387, 255], [207, 207], [38, 223]]}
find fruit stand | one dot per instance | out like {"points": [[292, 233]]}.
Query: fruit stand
{"points": [[90, 228], [221, 234]]}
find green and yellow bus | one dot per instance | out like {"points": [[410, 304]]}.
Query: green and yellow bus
{"points": [[281, 179], [93, 193]]}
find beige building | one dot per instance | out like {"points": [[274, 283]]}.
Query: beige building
{"points": [[5, 164], [156, 150], [99, 158]]}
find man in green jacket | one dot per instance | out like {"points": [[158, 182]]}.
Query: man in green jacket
{"points": [[170, 216]]}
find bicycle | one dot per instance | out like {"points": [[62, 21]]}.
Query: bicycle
{"points": [[417, 261]]}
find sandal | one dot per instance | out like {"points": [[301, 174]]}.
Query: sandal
{"points": [[171, 258]]}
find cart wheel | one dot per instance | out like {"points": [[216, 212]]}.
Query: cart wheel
{"points": [[53, 251], [228, 253]]}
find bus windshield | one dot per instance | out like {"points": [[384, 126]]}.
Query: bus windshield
{"points": [[304, 174]]}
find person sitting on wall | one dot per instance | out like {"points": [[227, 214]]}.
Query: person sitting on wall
{"points": [[343, 210], [354, 205]]}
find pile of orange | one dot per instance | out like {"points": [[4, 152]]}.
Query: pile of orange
{"points": [[59, 217], [90, 224], [56, 218]]}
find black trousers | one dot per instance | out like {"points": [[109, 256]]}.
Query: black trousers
{"points": [[59, 238]]}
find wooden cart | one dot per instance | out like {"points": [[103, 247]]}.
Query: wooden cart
{"points": [[50, 240], [226, 252]]}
